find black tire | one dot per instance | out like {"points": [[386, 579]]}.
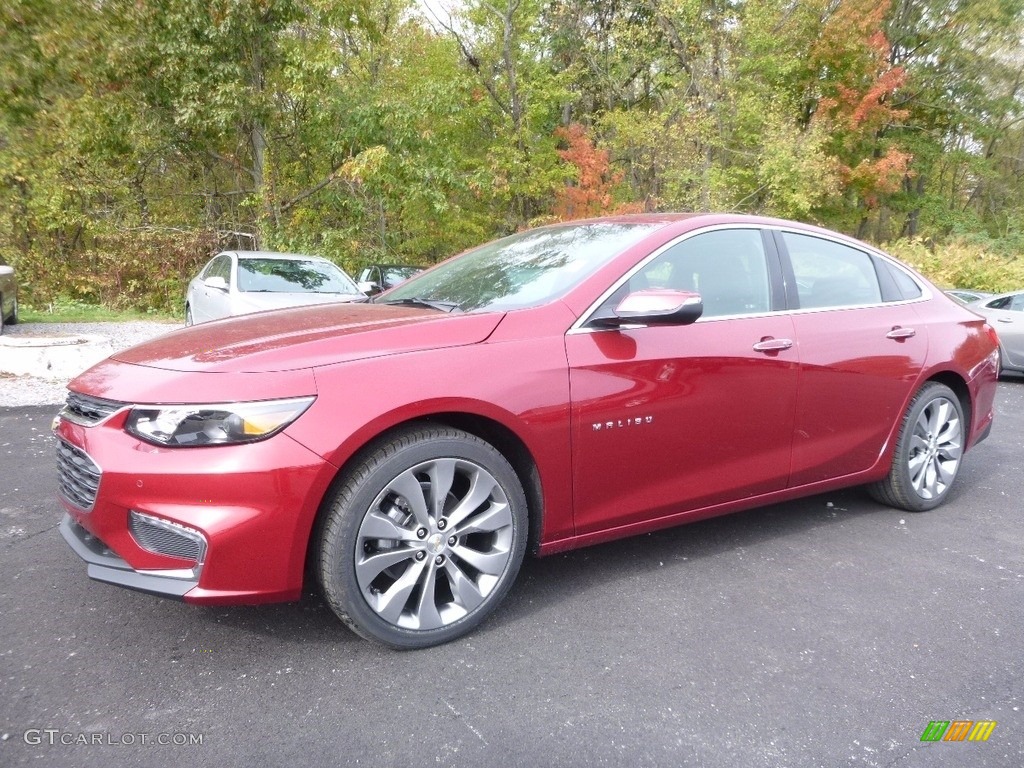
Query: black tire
{"points": [[13, 319], [928, 452], [188, 315], [406, 568]]}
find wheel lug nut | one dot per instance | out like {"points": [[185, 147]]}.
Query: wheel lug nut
{"points": [[452, 541], [420, 555], [421, 533], [442, 524], [439, 560]]}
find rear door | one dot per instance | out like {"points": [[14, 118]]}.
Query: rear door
{"points": [[862, 347]]}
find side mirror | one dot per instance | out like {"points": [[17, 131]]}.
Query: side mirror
{"points": [[656, 307], [368, 287], [216, 282]]}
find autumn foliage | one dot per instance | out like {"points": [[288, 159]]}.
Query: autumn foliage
{"points": [[591, 191], [135, 138]]}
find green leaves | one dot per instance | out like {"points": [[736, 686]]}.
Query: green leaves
{"points": [[371, 131]]}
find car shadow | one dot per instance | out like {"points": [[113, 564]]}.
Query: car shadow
{"points": [[587, 569], [544, 583], [565, 577]]}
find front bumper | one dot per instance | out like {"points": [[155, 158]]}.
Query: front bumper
{"points": [[251, 508], [105, 565]]}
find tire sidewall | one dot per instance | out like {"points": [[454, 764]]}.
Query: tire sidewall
{"points": [[352, 501], [901, 458]]}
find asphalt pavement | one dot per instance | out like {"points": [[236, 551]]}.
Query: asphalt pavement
{"points": [[825, 632]]}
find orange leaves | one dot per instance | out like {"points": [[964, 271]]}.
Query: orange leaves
{"points": [[872, 103], [856, 85], [879, 176], [591, 192]]}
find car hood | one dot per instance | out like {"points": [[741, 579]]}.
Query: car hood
{"points": [[307, 337]]}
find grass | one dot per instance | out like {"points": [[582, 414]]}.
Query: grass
{"points": [[78, 312]]}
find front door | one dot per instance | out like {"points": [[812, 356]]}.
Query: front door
{"points": [[667, 419]]}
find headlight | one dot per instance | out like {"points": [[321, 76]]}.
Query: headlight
{"points": [[219, 424]]}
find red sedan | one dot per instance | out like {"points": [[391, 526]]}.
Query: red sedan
{"points": [[560, 387]]}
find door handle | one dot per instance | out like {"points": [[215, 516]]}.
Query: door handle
{"points": [[769, 344], [901, 333], [1004, 320]]}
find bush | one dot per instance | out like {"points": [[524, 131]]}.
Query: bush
{"points": [[143, 270], [962, 263]]}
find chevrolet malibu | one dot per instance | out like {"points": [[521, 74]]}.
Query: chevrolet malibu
{"points": [[557, 388]]}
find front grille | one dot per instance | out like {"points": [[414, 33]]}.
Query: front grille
{"points": [[78, 477], [166, 538], [87, 411]]}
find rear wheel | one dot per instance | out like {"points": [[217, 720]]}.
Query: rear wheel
{"points": [[188, 315], [928, 451], [423, 538]]}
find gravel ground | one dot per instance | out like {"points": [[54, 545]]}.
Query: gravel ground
{"points": [[33, 390]]}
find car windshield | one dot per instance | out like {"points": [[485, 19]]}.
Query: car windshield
{"points": [[269, 275], [523, 270]]}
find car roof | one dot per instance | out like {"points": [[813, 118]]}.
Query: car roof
{"points": [[276, 255]]}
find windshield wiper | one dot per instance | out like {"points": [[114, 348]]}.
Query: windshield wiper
{"points": [[416, 301]]}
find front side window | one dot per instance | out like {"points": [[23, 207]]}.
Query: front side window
{"points": [[829, 274], [726, 267], [220, 266], [395, 275]]}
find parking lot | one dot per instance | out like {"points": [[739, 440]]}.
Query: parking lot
{"points": [[823, 632]]}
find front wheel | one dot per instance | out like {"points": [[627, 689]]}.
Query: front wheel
{"points": [[928, 452], [423, 538]]}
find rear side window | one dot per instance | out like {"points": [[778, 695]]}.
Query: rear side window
{"points": [[829, 274], [908, 287]]}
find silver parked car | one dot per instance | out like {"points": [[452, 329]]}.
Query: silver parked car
{"points": [[8, 295], [240, 282], [967, 295], [1005, 313]]}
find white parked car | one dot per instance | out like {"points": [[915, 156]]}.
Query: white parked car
{"points": [[8, 295], [240, 282]]}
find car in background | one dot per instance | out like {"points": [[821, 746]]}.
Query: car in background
{"points": [[966, 296], [239, 282], [8, 295], [380, 277], [560, 387], [1005, 312]]}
